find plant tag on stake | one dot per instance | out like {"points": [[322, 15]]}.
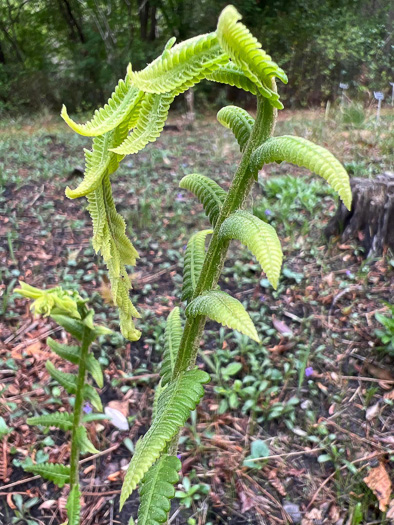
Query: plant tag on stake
{"points": [[344, 87], [379, 97]]}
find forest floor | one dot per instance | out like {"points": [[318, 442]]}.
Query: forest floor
{"points": [[314, 401]]}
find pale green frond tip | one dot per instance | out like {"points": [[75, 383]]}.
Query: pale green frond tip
{"points": [[259, 237], [239, 121], [306, 154], [224, 309]]}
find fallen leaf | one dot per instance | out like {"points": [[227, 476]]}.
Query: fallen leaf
{"points": [[312, 517], [379, 482], [282, 327], [117, 411], [380, 373], [372, 412]]}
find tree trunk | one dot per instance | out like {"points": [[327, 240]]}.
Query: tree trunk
{"points": [[371, 218]]}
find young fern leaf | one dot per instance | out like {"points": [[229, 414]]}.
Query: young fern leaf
{"points": [[73, 506], [111, 115], [180, 66], [72, 326], [69, 353], [259, 237], [239, 121], [232, 75], [172, 339], [91, 395], [61, 420], [151, 120], [158, 391], [221, 307], [210, 194], [94, 369], [194, 260], [55, 472], [110, 239], [306, 154], [67, 381], [157, 490], [245, 50], [84, 442], [175, 403]]}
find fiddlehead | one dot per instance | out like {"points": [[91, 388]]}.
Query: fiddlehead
{"points": [[239, 121], [210, 194]]}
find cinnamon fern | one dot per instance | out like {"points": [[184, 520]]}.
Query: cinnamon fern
{"points": [[134, 118]]}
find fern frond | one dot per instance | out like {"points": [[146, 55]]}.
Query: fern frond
{"points": [[55, 472], [105, 119], [232, 75], [172, 339], [178, 399], [306, 154], [221, 307], [72, 326], [246, 52], [70, 353], [91, 395], [94, 369], [193, 262], [110, 239], [100, 161], [210, 194], [157, 490], [239, 121], [151, 120], [67, 381], [84, 442], [259, 237], [158, 391], [73, 506], [61, 420], [181, 66]]}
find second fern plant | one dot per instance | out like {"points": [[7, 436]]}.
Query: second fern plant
{"points": [[140, 103]]}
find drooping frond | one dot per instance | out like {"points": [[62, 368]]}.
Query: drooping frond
{"points": [[94, 368], [84, 442], [55, 472], [239, 121], [110, 239], [73, 506], [61, 420], [259, 237], [151, 120], [221, 307], [100, 161], [172, 338], [232, 75], [181, 66], [246, 52], [111, 115], [157, 490], [210, 194], [177, 400], [306, 154], [193, 262], [91, 395]]}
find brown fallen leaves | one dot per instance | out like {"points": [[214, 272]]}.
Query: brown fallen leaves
{"points": [[379, 482]]}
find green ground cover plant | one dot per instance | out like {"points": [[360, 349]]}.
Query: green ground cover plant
{"points": [[141, 103]]}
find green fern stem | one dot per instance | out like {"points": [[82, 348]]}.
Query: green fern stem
{"points": [[217, 250], [78, 406]]}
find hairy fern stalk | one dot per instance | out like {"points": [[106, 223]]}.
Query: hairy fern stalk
{"points": [[135, 116]]}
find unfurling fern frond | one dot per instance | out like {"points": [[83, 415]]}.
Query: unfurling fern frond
{"points": [[73, 506], [210, 194], [221, 307], [177, 400], [100, 161], [259, 237], [233, 76], [245, 50], [172, 339], [157, 490], [306, 154], [55, 472], [193, 262], [151, 120], [61, 420], [181, 66], [111, 115], [239, 121], [110, 239]]}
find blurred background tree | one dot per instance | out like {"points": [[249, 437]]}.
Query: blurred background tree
{"points": [[72, 51]]}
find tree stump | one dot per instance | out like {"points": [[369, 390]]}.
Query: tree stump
{"points": [[371, 218]]}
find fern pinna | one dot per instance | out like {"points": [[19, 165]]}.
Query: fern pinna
{"points": [[69, 310], [140, 104]]}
